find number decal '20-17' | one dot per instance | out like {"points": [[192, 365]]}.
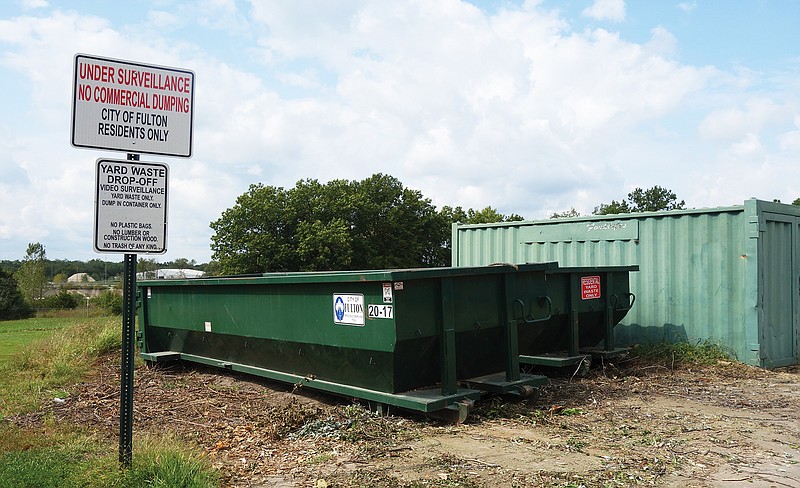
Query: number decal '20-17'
{"points": [[380, 311]]}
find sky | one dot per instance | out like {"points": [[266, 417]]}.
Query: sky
{"points": [[531, 107]]}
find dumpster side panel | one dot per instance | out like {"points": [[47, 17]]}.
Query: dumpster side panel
{"points": [[300, 313], [287, 327]]}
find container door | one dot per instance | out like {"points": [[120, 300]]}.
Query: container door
{"points": [[780, 279]]}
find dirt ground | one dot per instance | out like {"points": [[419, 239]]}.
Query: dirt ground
{"points": [[625, 424]]}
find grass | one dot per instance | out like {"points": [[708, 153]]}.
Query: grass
{"points": [[15, 334], [683, 353], [61, 355], [62, 458], [41, 359]]}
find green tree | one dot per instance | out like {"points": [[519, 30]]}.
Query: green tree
{"points": [[650, 200], [62, 300], [12, 305], [148, 268], [375, 223], [181, 263], [324, 246], [796, 201], [566, 214], [393, 226], [210, 268], [487, 215], [614, 207], [31, 274], [254, 235], [110, 301]]}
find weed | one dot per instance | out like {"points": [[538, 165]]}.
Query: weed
{"points": [[651, 439], [575, 444], [499, 408], [681, 353], [320, 458]]}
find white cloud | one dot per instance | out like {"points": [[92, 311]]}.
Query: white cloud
{"points": [[790, 141], [735, 123], [161, 19], [748, 145], [687, 7], [34, 4], [612, 10]]}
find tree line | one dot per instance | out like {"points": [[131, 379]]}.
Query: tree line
{"points": [[58, 270], [23, 282], [375, 223]]}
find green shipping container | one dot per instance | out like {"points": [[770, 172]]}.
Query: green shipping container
{"points": [[727, 275], [384, 336]]}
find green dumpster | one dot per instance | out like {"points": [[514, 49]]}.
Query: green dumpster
{"points": [[585, 305], [423, 339]]}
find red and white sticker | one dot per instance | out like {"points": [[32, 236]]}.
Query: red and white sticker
{"points": [[590, 287], [387, 293]]}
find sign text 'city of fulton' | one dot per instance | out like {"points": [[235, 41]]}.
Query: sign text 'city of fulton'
{"points": [[133, 107]]}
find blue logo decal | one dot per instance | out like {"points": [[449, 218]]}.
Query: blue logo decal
{"points": [[338, 308]]}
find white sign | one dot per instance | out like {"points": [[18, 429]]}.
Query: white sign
{"points": [[380, 311], [131, 207], [348, 309], [132, 107]]}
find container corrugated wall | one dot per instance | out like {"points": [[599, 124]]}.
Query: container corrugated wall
{"points": [[726, 275]]}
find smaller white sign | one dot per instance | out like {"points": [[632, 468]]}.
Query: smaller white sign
{"points": [[131, 207], [348, 309]]}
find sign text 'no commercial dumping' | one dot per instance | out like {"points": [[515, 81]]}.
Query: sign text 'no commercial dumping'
{"points": [[132, 107], [131, 207]]}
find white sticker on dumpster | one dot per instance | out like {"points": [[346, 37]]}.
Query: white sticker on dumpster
{"points": [[348, 309], [387, 293], [380, 311]]}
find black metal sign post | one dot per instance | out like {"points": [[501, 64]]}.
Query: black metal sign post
{"points": [[126, 376]]}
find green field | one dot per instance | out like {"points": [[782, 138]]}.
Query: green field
{"points": [[15, 334]]}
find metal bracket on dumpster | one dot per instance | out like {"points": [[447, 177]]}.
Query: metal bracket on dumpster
{"points": [[533, 320], [527, 386], [456, 412], [555, 360], [160, 356], [615, 301]]}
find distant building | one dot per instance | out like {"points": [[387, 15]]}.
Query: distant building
{"points": [[80, 278], [169, 274]]}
